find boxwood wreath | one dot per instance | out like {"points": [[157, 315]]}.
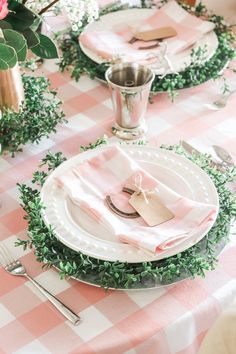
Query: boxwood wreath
{"points": [[195, 261], [196, 73], [38, 116]]}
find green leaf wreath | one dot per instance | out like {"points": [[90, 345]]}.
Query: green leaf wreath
{"points": [[38, 116], [194, 261], [196, 73]]}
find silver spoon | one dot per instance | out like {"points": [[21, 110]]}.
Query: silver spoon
{"points": [[223, 155]]}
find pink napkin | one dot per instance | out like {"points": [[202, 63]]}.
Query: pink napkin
{"points": [[110, 45], [87, 185]]}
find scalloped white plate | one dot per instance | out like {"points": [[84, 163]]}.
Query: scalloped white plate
{"points": [[73, 226], [113, 20]]}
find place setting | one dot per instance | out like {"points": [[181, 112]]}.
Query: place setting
{"points": [[129, 206], [116, 209], [161, 38], [184, 45], [117, 175]]}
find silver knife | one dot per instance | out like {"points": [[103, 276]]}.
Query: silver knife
{"points": [[189, 148]]}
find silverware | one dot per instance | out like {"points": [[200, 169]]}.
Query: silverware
{"points": [[14, 267], [223, 155], [189, 148], [226, 159], [220, 103]]}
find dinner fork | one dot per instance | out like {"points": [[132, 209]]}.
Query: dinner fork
{"points": [[221, 102], [15, 267]]}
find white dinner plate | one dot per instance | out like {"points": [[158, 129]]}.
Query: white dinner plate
{"points": [[72, 226], [112, 21]]}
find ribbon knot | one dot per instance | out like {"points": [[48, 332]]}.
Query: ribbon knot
{"points": [[140, 190]]}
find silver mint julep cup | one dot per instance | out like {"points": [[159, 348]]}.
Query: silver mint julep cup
{"points": [[130, 85]]}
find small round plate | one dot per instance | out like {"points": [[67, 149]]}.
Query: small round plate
{"points": [[72, 226], [114, 20]]}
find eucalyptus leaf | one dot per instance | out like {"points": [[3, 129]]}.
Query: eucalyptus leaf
{"points": [[3, 65], [22, 54], [31, 37], [19, 17], [35, 25], [8, 56], [46, 48], [16, 41], [5, 24]]}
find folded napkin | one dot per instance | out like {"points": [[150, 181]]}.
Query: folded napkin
{"points": [[107, 173], [110, 45]]}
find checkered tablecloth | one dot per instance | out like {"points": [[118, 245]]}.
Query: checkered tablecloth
{"points": [[168, 320]]}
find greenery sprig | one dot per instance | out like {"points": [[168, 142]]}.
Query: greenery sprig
{"points": [[195, 261], [37, 117], [196, 73]]}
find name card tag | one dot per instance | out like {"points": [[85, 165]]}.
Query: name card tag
{"points": [[157, 33], [154, 212]]}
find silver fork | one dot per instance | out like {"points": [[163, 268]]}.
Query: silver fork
{"points": [[221, 102], [15, 267]]}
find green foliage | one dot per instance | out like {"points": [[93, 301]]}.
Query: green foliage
{"points": [[91, 146], [19, 17], [45, 49], [31, 37], [196, 73], [16, 41], [8, 58], [37, 118], [13, 48], [5, 25], [18, 31], [195, 261]]}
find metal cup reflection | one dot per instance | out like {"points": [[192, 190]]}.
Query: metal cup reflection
{"points": [[130, 85]]}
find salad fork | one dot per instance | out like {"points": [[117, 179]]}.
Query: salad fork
{"points": [[15, 267], [221, 102]]}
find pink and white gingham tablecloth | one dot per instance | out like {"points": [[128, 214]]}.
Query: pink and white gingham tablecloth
{"points": [[168, 320]]}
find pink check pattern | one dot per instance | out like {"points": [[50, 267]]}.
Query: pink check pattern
{"points": [[109, 45], [107, 173], [168, 320]]}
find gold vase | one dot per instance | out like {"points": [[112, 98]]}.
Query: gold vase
{"points": [[189, 2], [11, 89]]}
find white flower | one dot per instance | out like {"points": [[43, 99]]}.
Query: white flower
{"points": [[77, 10]]}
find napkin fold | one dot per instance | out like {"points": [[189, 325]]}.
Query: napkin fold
{"points": [[107, 173], [110, 45]]}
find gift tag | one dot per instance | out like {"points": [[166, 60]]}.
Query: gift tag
{"points": [[157, 33], [154, 212]]}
